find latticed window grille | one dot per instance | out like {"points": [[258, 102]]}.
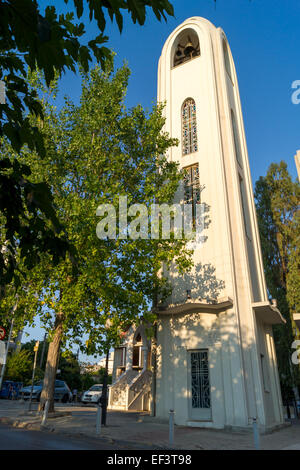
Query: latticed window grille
{"points": [[192, 190], [189, 127], [200, 379]]}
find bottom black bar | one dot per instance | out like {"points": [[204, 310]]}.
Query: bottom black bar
{"points": [[143, 459]]}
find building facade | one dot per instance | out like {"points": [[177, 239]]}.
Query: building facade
{"points": [[132, 374]]}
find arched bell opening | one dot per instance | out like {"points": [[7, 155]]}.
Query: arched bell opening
{"points": [[186, 47]]}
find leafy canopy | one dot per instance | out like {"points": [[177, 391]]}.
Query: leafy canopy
{"points": [[277, 207], [54, 43]]}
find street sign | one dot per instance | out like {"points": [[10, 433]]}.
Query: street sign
{"points": [[2, 333]]}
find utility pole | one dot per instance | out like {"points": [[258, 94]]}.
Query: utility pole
{"points": [[8, 341], [36, 347], [43, 351], [104, 391]]}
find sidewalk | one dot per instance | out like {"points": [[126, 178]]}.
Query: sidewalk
{"points": [[140, 430]]}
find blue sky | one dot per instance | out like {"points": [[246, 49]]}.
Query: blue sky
{"points": [[265, 43]]}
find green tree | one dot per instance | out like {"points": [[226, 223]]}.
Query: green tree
{"points": [[95, 153], [19, 366], [53, 42], [70, 369], [277, 207], [86, 381]]}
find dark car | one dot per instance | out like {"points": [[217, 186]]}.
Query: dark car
{"points": [[61, 391]]}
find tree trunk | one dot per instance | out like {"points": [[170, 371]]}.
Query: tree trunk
{"points": [[51, 365]]}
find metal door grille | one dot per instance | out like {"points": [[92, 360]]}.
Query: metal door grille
{"points": [[200, 380]]}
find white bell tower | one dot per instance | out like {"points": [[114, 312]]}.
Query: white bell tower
{"points": [[216, 363]]}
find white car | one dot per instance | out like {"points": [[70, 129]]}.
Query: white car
{"points": [[93, 395]]}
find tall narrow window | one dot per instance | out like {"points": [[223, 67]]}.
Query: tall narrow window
{"points": [[123, 357], [189, 127], [245, 209], [192, 190], [136, 356], [120, 360], [227, 59], [237, 145], [265, 374]]}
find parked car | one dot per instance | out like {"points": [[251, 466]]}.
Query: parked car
{"points": [[61, 391], [10, 389], [92, 395]]}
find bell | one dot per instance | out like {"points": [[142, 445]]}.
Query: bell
{"points": [[178, 52], [189, 48]]}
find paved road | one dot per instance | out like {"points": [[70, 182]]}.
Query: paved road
{"points": [[20, 439]]}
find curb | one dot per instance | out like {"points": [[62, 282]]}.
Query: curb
{"points": [[37, 426], [17, 423], [59, 414]]}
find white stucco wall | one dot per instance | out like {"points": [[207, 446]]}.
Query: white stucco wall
{"points": [[181, 334]]}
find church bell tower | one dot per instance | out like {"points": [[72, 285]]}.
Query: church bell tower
{"points": [[216, 363]]}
